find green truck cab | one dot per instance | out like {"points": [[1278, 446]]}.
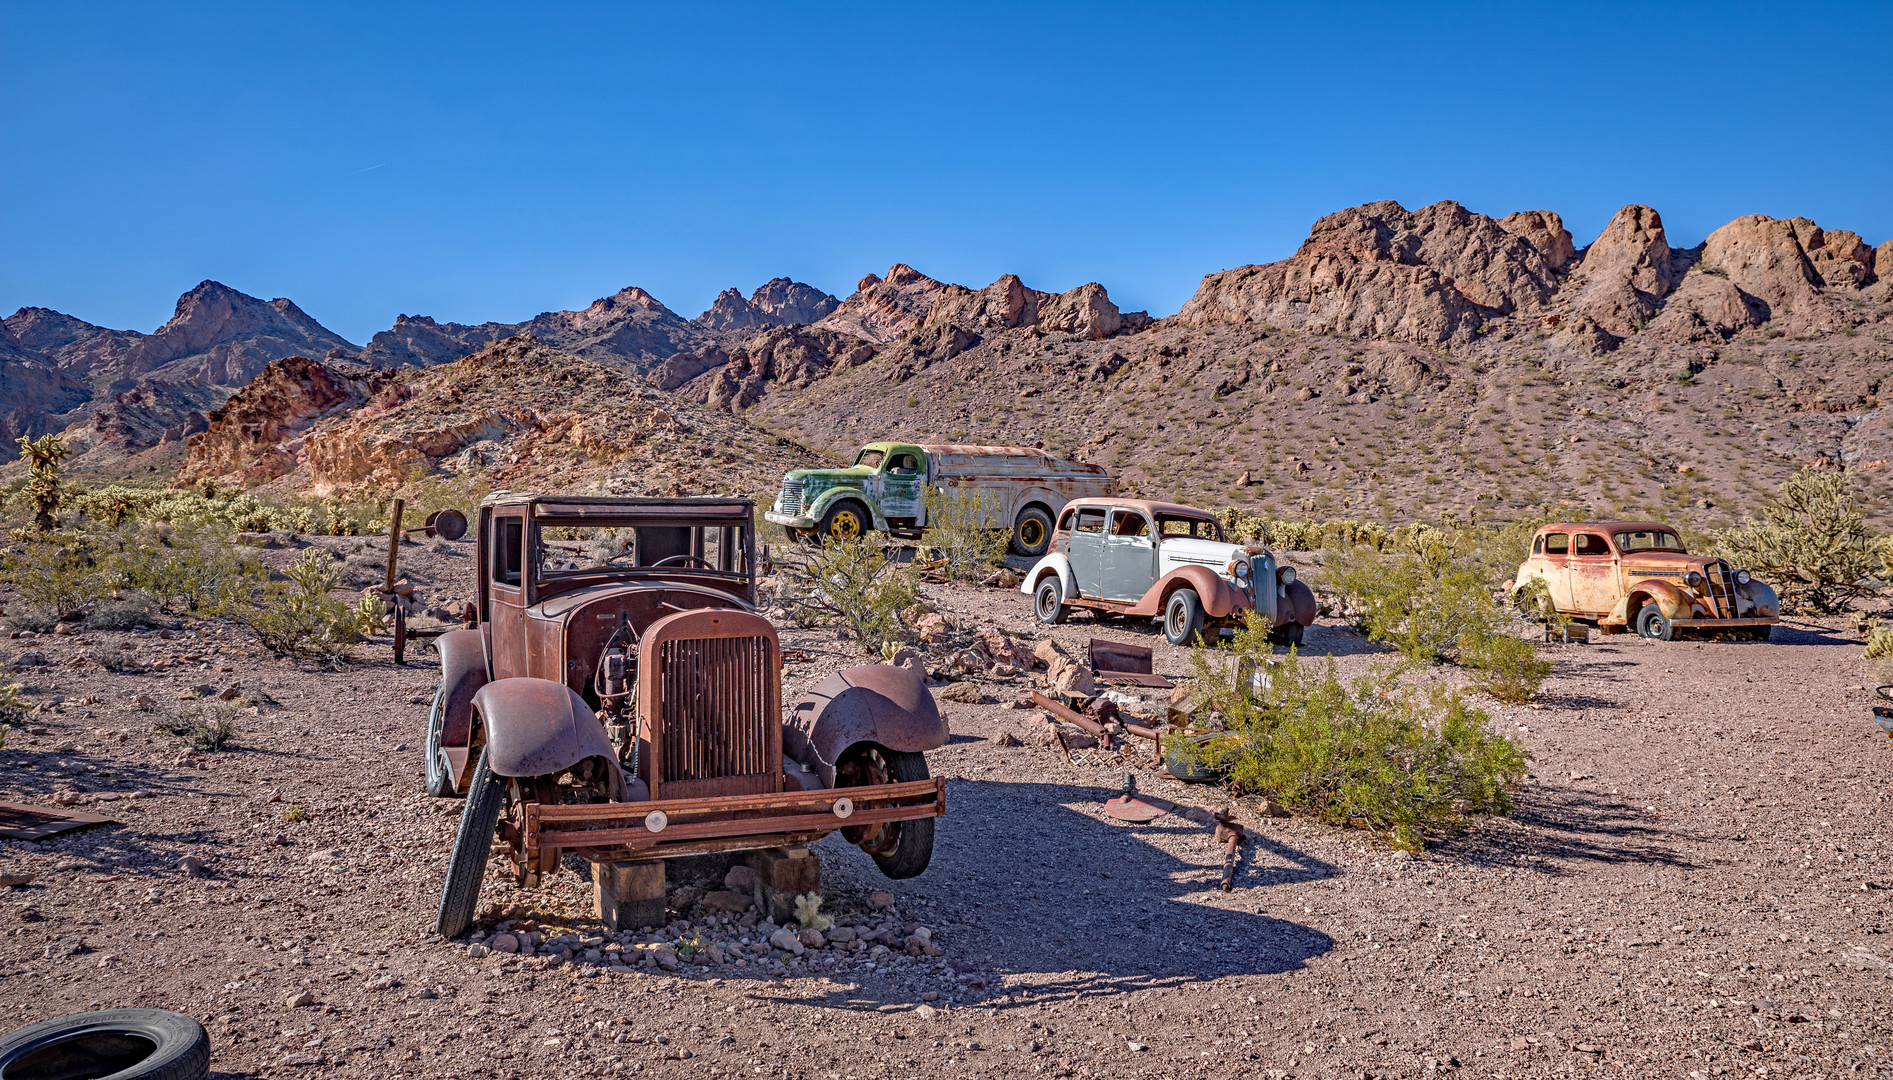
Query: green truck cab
{"points": [[885, 490]]}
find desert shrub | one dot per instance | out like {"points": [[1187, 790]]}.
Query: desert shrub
{"points": [[960, 529], [299, 617], [1878, 653], [127, 611], [206, 725], [59, 573], [189, 570], [1410, 762], [852, 584], [45, 490], [13, 703], [1505, 667], [1811, 544]]}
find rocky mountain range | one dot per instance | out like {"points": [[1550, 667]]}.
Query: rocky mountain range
{"points": [[1399, 362]]}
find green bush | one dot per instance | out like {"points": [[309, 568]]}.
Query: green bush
{"points": [[1878, 653], [960, 529], [188, 571], [299, 617], [45, 490], [13, 704], [1509, 669], [1811, 544], [1412, 763], [58, 573], [852, 584]]}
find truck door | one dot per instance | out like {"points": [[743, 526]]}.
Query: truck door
{"points": [[902, 481], [1087, 550], [1130, 557], [1594, 577], [506, 585]]}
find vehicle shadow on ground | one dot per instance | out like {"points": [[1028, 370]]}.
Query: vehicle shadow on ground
{"points": [[1071, 904], [1551, 825], [1807, 633]]}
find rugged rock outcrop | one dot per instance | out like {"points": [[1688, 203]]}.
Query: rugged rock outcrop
{"points": [[778, 302], [31, 392], [793, 356], [881, 309], [1433, 275], [1544, 230], [419, 341], [251, 438], [1626, 272], [1766, 259], [1008, 304]]}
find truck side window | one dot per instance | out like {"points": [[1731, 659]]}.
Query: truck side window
{"points": [[1538, 546], [1557, 543], [905, 465], [1591, 544], [1091, 521], [509, 534]]}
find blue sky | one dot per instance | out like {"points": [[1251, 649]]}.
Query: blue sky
{"points": [[477, 162]]}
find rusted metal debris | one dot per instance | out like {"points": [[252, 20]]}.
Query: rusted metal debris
{"points": [[1230, 834], [1120, 663], [26, 821], [1077, 719]]}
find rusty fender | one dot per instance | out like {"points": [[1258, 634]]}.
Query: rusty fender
{"points": [[1673, 602], [1220, 598], [462, 673], [1298, 606], [535, 727], [874, 703], [1766, 604]]}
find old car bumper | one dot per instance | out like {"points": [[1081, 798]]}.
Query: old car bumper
{"points": [[788, 522], [1719, 624], [623, 831]]}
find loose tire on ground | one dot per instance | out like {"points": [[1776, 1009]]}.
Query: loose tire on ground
{"points": [[438, 784], [479, 820], [1032, 532], [1182, 617], [119, 1044], [1048, 601], [1652, 624], [845, 521]]}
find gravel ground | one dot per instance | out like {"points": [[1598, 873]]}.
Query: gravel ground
{"points": [[1695, 883]]}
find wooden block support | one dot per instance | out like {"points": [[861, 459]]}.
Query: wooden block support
{"points": [[786, 873], [629, 895]]}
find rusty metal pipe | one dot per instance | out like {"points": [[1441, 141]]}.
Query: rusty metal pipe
{"points": [[394, 542]]}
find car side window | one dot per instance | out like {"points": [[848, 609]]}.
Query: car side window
{"points": [[1064, 520], [1591, 544], [509, 534], [1557, 543], [1129, 523], [1091, 521], [1538, 546]]}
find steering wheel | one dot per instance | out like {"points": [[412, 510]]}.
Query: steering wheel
{"points": [[686, 560]]}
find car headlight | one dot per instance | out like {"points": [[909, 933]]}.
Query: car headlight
{"points": [[1240, 568], [1692, 579], [1286, 575], [1741, 577]]}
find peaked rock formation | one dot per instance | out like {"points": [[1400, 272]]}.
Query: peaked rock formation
{"points": [[1766, 259], [778, 302], [419, 341], [1544, 230], [793, 356], [250, 439], [72, 343], [1434, 275], [629, 327], [1006, 304], [882, 309], [1626, 272], [31, 392]]}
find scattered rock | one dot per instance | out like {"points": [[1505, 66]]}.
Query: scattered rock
{"points": [[1136, 1047], [925, 1012], [965, 693], [741, 879], [880, 901], [1006, 738], [728, 900], [786, 940], [300, 999], [14, 881], [504, 943], [193, 866]]}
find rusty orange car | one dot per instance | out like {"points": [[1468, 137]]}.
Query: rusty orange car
{"points": [[1621, 576]]}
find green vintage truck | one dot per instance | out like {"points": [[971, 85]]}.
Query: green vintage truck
{"points": [[885, 489]]}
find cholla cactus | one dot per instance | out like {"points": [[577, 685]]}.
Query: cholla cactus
{"points": [[808, 912], [45, 491]]}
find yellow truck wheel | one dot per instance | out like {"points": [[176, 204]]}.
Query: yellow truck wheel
{"points": [[846, 521]]}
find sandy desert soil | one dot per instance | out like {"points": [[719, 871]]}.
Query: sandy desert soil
{"points": [[1696, 883]]}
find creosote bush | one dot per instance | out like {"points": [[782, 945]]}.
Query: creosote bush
{"points": [[961, 529], [1411, 762], [299, 617], [855, 585], [1811, 544]]}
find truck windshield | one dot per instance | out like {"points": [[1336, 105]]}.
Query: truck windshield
{"points": [[566, 550], [870, 458], [1200, 528], [1649, 540]]}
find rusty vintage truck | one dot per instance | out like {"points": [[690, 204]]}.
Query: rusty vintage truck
{"points": [[885, 490], [620, 699], [1636, 575], [1141, 559]]}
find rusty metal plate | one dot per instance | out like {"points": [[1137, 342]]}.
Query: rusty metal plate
{"points": [[1122, 664], [24, 821], [1133, 809]]}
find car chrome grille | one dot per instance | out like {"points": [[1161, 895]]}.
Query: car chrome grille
{"points": [[719, 709], [791, 499], [1721, 581]]}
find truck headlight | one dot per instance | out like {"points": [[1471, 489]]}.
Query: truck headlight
{"points": [[1286, 575], [1741, 577]]}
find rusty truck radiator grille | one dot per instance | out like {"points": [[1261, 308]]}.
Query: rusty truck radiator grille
{"points": [[719, 706]]}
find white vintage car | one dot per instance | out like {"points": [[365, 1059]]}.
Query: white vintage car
{"points": [[1140, 559]]}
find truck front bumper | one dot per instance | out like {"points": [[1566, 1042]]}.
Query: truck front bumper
{"points": [[1722, 624], [788, 522], [620, 832]]}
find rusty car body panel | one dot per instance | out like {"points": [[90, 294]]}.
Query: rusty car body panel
{"points": [[620, 679], [862, 704], [1119, 556], [1610, 573]]}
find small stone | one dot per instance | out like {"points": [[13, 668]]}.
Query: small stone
{"points": [[1048, 650], [15, 881], [931, 995], [326, 855], [203, 690], [300, 999], [925, 1012], [812, 938], [1402, 855], [964, 693], [1136, 1047], [880, 901], [787, 941], [1521, 1044], [667, 959], [477, 952], [504, 943], [193, 866], [741, 879], [1006, 738], [728, 900], [384, 982], [230, 693], [685, 898], [63, 948], [841, 935], [306, 1057]]}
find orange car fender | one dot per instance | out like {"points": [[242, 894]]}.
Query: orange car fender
{"points": [[1299, 605], [1220, 599], [1670, 600]]}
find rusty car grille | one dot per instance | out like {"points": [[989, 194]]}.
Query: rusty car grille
{"points": [[1721, 580], [718, 702], [792, 498]]}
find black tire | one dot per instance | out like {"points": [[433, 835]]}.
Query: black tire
{"points": [[1182, 617], [438, 784], [845, 520], [1288, 635], [913, 850], [479, 821], [1652, 626], [1048, 601], [113, 1044], [1031, 532]]}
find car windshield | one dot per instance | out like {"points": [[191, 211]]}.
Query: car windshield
{"points": [[1649, 540], [870, 458], [1200, 528], [565, 550]]}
